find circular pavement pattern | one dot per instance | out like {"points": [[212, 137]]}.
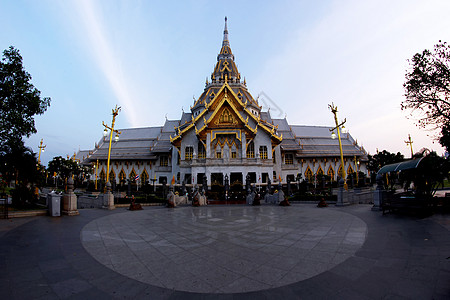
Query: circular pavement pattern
{"points": [[224, 249]]}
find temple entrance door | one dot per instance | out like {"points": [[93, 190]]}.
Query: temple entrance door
{"points": [[236, 177], [252, 177], [265, 177], [200, 178], [188, 178], [217, 178]]}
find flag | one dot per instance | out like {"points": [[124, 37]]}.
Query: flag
{"points": [[136, 178]]}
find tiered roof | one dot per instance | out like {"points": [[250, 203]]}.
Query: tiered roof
{"points": [[147, 143], [316, 141]]}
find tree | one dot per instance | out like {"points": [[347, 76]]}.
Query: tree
{"points": [[20, 101], [19, 164], [66, 167], [427, 88], [444, 140], [383, 158]]}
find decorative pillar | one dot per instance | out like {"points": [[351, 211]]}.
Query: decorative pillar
{"points": [[226, 186], [70, 200], [108, 198], [378, 194], [342, 195]]}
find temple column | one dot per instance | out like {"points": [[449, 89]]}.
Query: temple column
{"points": [[244, 144], [208, 145]]}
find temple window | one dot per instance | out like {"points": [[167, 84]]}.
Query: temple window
{"points": [[251, 150], [112, 176], [309, 174], [188, 152], [122, 176], [163, 161], [201, 150], [350, 170], [132, 176], [330, 173], [233, 154], [320, 171], [263, 152], [288, 159], [144, 177]]}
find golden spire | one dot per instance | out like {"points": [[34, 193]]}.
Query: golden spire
{"points": [[225, 42]]}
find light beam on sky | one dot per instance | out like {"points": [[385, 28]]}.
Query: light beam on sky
{"points": [[108, 62], [150, 57]]}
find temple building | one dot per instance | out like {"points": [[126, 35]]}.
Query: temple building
{"points": [[226, 133]]}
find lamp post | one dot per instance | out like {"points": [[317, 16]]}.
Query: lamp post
{"points": [[115, 112], [96, 174], [410, 142], [357, 171], [41, 149], [338, 127]]}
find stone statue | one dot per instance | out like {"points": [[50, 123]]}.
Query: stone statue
{"points": [[173, 199], [134, 205], [205, 184], [247, 183], [269, 186], [198, 199], [250, 197]]}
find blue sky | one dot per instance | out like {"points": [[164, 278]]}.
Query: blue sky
{"points": [[153, 57]]}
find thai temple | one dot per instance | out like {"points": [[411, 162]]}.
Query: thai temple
{"points": [[225, 133]]}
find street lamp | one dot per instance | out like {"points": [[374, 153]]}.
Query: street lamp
{"points": [[41, 149], [410, 142], [338, 128], [115, 112], [96, 172], [357, 171]]}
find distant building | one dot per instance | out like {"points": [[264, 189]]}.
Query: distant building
{"points": [[226, 133]]}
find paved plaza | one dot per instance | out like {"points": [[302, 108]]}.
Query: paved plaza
{"points": [[226, 252]]}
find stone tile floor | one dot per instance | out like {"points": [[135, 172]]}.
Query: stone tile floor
{"points": [[226, 252]]}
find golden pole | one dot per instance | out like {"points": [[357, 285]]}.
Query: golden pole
{"points": [[410, 142], [334, 110], [41, 148], [96, 176], [356, 167], [115, 112]]}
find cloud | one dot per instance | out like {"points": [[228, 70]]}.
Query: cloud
{"points": [[108, 62], [355, 55]]}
